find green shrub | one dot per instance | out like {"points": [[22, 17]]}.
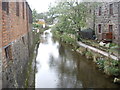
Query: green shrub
{"points": [[111, 67], [100, 63], [114, 70], [89, 55], [68, 39], [112, 44]]}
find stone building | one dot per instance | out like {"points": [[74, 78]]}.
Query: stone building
{"points": [[107, 22], [15, 42], [90, 20]]}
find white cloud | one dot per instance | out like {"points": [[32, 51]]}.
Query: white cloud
{"points": [[40, 5]]}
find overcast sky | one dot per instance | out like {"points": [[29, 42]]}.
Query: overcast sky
{"points": [[40, 5]]}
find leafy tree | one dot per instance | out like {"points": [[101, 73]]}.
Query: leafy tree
{"points": [[34, 14], [71, 15]]}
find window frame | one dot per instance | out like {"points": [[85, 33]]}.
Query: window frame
{"points": [[110, 28], [23, 6], [100, 11], [17, 9], [8, 53], [111, 9], [99, 28], [5, 7]]}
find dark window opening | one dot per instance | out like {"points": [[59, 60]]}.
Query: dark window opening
{"points": [[23, 10], [30, 16], [23, 39], [119, 29], [110, 28], [90, 11], [17, 8], [5, 6], [100, 9], [111, 9], [99, 28], [8, 53]]}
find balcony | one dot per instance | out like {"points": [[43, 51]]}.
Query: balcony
{"points": [[107, 36]]}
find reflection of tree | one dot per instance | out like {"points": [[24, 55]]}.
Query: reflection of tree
{"points": [[36, 67], [51, 62], [74, 71], [66, 70], [61, 50]]}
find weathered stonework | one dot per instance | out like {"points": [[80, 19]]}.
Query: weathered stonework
{"points": [[105, 19], [90, 19], [14, 74]]}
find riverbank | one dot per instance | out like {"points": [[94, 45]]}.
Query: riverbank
{"points": [[66, 38], [107, 63], [30, 71]]}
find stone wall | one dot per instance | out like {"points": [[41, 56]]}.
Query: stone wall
{"points": [[90, 19], [14, 75], [105, 19]]}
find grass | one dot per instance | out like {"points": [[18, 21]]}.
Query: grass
{"points": [[113, 48]]}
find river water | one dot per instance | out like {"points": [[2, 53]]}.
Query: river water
{"points": [[58, 66]]}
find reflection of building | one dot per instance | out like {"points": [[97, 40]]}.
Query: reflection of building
{"points": [[15, 41], [108, 22]]}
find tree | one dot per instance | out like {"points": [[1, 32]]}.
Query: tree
{"points": [[71, 16], [34, 14]]}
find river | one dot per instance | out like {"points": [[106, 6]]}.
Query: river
{"points": [[58, 66]]}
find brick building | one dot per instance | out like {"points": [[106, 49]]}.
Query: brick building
{"points": [[107, 23], [15, 41]]}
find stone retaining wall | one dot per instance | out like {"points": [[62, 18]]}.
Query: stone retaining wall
{"points": [[14, 74]]}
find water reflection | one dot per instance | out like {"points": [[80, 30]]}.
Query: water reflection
{"points": [[60, 67]]}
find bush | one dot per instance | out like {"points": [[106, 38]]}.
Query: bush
{"points": [[111, 67], [114, 70], [89, 55], [100, 63], [68, 39]]}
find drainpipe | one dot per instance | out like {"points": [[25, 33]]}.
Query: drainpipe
{"points": [[119, 33], [27, 16], [94, 17]]}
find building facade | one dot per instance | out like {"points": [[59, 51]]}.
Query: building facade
{"points": [[107, 22], [15, 42]]}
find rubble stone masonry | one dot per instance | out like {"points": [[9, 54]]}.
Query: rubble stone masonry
{"points": [[105, 19]]}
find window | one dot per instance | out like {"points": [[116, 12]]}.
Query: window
{"points": [[17, 8], [90, 11], [99, 28], [23, 40], [8, 53], [100, 11], [110, 28], [30, 16], [119, 29], [111, 9], [5, 7], [23, 10]]}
